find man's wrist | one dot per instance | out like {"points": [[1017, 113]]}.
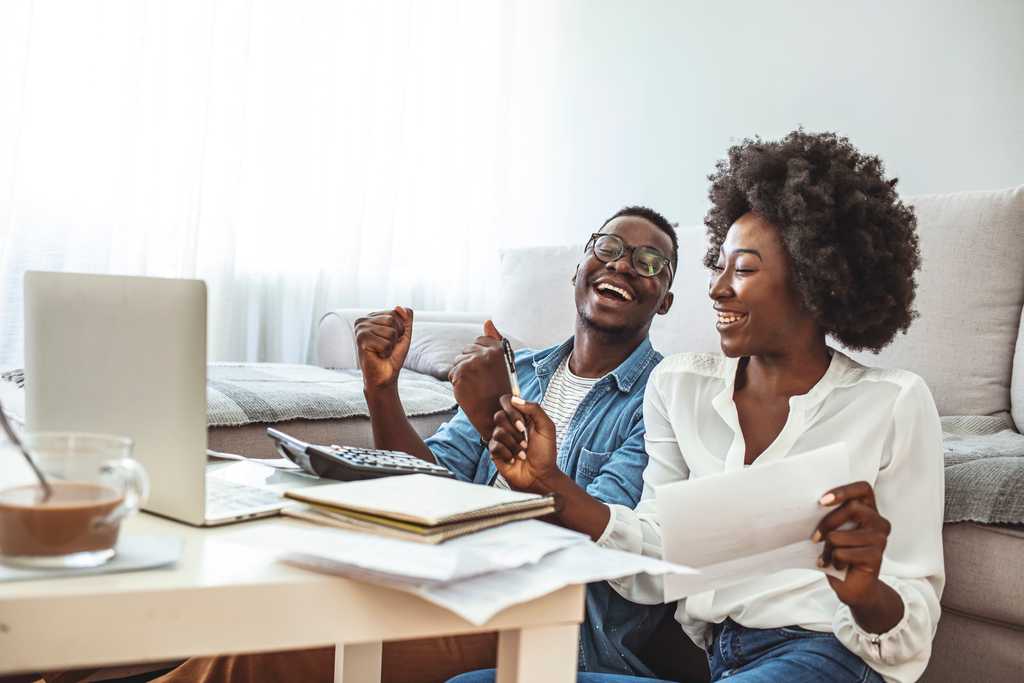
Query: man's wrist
{"points": [[380, 394], [485, 428]]}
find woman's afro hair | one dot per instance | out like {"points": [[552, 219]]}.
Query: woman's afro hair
{"points": [[852, 243]]}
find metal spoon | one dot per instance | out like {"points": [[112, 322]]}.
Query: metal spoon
{"points": [[47, 489]]}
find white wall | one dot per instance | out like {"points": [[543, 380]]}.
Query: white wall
{"points": [[647, 95], [303, 156]]}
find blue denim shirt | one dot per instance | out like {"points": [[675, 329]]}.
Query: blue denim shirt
{"points": [[603, 451]]}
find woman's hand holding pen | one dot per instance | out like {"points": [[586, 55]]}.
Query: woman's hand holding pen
{"points": [[523, 447], [855, 536], [523, 444]]}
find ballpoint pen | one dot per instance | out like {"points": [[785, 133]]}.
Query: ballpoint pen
{"points": [[513, 380], [510, 366]]}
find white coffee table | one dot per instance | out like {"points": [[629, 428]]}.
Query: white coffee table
{"points": [[225, 598]]}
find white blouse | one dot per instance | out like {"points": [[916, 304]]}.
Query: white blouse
{"points": [[889, 419]]}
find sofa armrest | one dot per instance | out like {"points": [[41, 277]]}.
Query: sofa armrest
{"points": [[336, 341]]}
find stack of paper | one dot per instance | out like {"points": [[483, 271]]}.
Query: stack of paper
{"points": [[475, 576], [416, 507], [479, 598]]}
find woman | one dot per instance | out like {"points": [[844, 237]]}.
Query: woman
{"points": [[808, 240]]}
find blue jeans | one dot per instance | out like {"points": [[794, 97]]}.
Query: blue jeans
{"points": [[793, 654], [753, 655]]}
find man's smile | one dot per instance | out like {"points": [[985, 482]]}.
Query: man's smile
{"points": [[614, 291]]}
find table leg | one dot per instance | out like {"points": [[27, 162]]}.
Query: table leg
{"points": [[543, 653], [357, 663]]}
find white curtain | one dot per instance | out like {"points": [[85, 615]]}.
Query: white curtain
{"points": [[298, 156]]}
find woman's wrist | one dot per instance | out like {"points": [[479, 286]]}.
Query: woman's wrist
{"points": [[579, 511], [554, 481], [880, 611]]}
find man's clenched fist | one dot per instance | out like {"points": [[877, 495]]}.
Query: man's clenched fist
{"points": [[479, 377], [382, 340]]}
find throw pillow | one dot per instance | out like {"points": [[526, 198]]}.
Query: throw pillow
{"points": [[435, 345], [970, 291]]}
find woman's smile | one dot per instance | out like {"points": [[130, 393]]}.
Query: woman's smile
{"points": [[728, 320]]}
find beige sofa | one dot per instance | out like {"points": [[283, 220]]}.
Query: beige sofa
{"points": [[970, 297]]}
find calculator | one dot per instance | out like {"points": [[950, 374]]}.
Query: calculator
{"points": [[347, 463]]}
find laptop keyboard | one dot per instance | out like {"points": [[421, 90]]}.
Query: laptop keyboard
{"points": [[224, 498]]}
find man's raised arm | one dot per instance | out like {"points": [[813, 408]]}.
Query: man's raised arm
{"points": [[382, 341]]}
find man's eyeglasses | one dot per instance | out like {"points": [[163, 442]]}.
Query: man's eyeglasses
{"points": [[647, 261]]}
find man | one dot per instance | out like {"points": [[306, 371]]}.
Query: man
{"points": [[591, 386]]}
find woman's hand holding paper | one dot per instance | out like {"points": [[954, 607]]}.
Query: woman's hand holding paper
{"points": [[855, 536]]}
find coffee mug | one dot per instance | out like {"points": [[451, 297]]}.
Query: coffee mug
{"points": [[94, 484]]}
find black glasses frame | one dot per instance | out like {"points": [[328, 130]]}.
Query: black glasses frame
{"points": [[663, 260]]}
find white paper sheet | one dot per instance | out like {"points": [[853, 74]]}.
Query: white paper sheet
{"points": [[736, 526], [277, 463], [357, 555], [480, 598], [474, 576]]}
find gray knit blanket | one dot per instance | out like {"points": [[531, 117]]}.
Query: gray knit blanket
{"points": [[246, 393], [984, 470]]}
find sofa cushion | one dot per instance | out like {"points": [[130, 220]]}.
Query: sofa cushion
{"points": [[1017, 381], [246, 393], [983, 575], [436, 344], [537, 305], [970, 293], [336, 343], [966, 650], [535, 302]]}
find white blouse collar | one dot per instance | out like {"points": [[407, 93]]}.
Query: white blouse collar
{"points": [[801, 407], [838, 363]]}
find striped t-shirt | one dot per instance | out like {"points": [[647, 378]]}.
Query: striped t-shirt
{"points": [[565, 393]]}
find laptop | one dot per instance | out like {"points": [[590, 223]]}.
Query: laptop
{"points": [[127, 355]]}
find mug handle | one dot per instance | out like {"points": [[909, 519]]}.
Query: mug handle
{"points": [[136, 490]]}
